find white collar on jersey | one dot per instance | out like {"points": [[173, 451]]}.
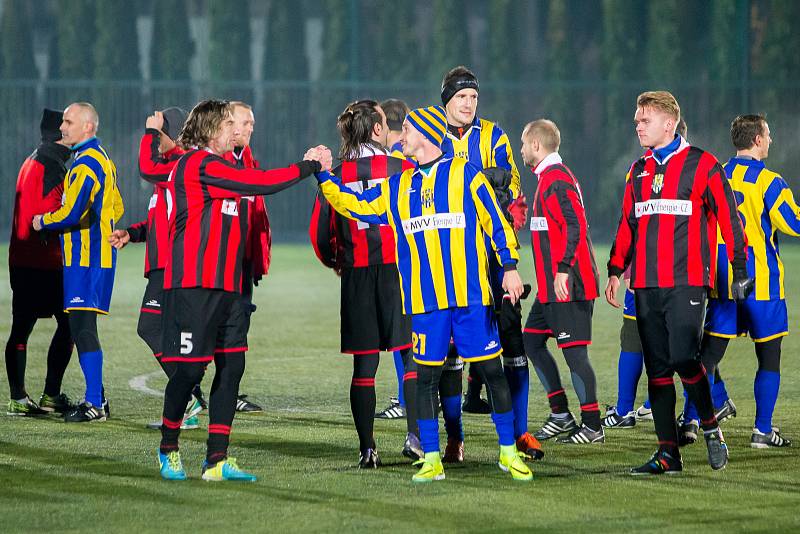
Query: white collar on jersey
{"points": [[553, 158], [366, 150]]}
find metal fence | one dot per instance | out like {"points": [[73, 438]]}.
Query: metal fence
{"points": [[595, 119]]}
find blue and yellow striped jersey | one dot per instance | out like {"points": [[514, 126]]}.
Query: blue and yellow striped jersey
{"points": [[766, 206], [438, 217], [485, 145], [90, 208]]}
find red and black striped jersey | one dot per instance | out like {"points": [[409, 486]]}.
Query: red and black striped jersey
{"points": [[341, 242], [560, 234], [258, 244], [40, 186], [207, 235], [670, 212], [154, 168]]}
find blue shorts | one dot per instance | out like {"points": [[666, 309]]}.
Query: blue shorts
{"points": [[88, 288], [762, 319], [473, 330], [629, 310]]}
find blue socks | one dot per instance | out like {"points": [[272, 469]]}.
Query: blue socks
{"points": [[718, 392], [504, 423], [451, 412], [92, 367], [629, 369], [399, 368], [518, 382], [689, 411], [429, 434], [765, 389]]}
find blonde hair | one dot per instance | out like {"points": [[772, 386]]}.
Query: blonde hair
{"points": [[661, 101], [546, 132]]}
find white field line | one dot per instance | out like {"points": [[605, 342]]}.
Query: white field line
{"points": [[139, 383]]}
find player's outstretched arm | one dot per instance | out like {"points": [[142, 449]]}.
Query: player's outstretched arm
{"points": [[77, 199], [369, 206], [223, 178]]}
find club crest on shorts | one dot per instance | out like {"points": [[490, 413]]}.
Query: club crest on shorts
{"points": [[658, 183], [427, 198]]}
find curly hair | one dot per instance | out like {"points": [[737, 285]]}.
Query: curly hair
{"points": [[203, 123]]}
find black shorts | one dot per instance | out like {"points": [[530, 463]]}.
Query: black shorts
{"points": [[149, 327], [670, 322], [372, 311], [570, 323], [629, 340], [36, 292], [197, 323]]}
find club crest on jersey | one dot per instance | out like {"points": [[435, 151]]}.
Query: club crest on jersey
{"points": [[658, 183], [427, 198]]}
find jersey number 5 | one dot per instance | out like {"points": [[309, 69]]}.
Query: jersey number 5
{"points": [[186, 342]]}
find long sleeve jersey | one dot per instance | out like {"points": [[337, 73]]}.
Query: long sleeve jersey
{"points": [[258, 244], [485, 144], [560, 234], [155, 169], [207, 235], [339, 241], [92, 206], [438, 216], [670, 212], [766, 206]]}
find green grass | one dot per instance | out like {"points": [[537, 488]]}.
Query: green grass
{"points": [[103, 477]]}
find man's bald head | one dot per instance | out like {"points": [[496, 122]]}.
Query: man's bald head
{"points": [[539, 138], [546, 132], [80, 123]]}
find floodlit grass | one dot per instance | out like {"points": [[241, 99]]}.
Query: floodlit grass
{"points": [[103, 477]]}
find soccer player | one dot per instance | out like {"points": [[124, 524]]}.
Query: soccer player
{"points": [[35, 270], [675, 197], [567, 280], [203, 319], [631, 359], [766, 206], [258, 245], [364, 255], [486, 146], [395, 111], [91, 207], [158, 156], [439, 213]]}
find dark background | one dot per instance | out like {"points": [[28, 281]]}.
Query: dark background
{"points": [[580, 63]]}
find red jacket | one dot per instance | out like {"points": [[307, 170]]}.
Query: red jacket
{"points": [[258, 242], [40, 186]]}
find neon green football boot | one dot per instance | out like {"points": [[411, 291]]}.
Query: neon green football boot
{"points": [[432, 468], [510, 462]]}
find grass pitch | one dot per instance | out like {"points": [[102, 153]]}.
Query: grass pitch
{"points": [[103, 477]]}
